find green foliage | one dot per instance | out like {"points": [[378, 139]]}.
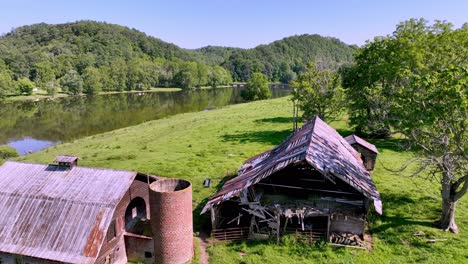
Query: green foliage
{"points": [[43, 74], [92, 81], [128, 59], [283, 59], [72, 83], [318, 93], [7, 152], [257, 88], [25, 86], [6, 83], [415, 82], [217, 75]]}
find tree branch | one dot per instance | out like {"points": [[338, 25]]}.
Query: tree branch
{"points": [[458, 194]]}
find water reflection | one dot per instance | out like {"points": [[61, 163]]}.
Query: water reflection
{"points": [[32, 126]]}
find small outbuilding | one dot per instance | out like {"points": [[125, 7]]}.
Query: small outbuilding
{"points": [[314, 185], [367, 150]]}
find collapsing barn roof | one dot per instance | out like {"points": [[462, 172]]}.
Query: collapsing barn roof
{"points": [[54, 213], [316, 143]]}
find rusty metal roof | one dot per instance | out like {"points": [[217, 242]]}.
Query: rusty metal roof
{"points": [[52, 213], [353, 139], [318, 144]]}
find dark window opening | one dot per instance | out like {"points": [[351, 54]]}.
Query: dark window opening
{"points": [[111, 232], [148, 254], [135, 217]]}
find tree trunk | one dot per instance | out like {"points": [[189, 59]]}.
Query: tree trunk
{"points": [[447, 219]]}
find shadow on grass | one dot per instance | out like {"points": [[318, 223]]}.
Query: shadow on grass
{"points": [[270, 136], [392, 226], [281, 120]]}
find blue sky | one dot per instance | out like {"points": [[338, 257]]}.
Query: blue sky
{"points": [[197, 23]]}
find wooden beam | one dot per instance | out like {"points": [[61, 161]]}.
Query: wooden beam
{"points": [[308, 189]]}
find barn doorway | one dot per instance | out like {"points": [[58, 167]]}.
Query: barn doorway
{"points": [[135, 216]]}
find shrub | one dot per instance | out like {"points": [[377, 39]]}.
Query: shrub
{"points": [[7, 152]]}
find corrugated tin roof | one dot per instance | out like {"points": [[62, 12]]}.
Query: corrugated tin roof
{"points": [[318, 144], [353, 139], [66, 159], [56, 214]]}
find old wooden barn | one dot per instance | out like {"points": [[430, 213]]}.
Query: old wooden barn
{"points": [[314, 185], [65, 213]]}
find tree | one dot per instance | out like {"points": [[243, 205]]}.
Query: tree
{"points": [[25, 86], [92, 81], [218, 75], [318, 92], [6, 83], [72, 83], [43, 74], [425, 81], [202, 73], [257, 88], [365, 84]]}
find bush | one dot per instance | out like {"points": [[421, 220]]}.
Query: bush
{"points": [[7, 152]]}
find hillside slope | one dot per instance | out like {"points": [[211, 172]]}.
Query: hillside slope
{"points": [[28, 50]]}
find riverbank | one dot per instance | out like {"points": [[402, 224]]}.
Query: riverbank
{"points": [[42, 95], [211, 144]]}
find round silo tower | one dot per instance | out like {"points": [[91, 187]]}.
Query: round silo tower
{"points": [[171, 220]]}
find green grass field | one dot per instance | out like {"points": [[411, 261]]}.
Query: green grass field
{"points": [[201, 145]]}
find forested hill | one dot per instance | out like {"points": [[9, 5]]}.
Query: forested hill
{"points": [[113, 57], [282, 59]]}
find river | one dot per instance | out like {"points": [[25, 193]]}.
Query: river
{"points": [[30, 126]]}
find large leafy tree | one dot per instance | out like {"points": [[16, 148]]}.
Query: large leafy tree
{"points": [[420, 76], [257, 88], [72, 83], [92, 81], [25, 86], [318, 93]]}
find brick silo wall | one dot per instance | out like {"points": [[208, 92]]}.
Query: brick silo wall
{"points": [[171, 220]]}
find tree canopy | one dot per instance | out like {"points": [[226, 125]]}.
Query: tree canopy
{"points": [[128, 59], [318, 93], [415, 81], [257, 88]]}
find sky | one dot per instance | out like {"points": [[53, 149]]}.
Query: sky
{"points": [[237, 23]]}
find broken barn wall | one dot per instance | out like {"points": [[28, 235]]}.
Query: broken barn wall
{"points": [[347, 224], [115, 248], [139, 249]]}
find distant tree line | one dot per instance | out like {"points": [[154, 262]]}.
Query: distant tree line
{"points": [[89, 57]]}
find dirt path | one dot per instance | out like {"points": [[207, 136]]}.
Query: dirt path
{"points": [[203, 243]]}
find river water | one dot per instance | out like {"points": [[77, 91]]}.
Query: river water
{"points": [[31, 126]]}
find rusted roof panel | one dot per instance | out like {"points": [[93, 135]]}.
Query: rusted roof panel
{"points": [[318, 144], [66, 159], [52, 213], [353, 139]]}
